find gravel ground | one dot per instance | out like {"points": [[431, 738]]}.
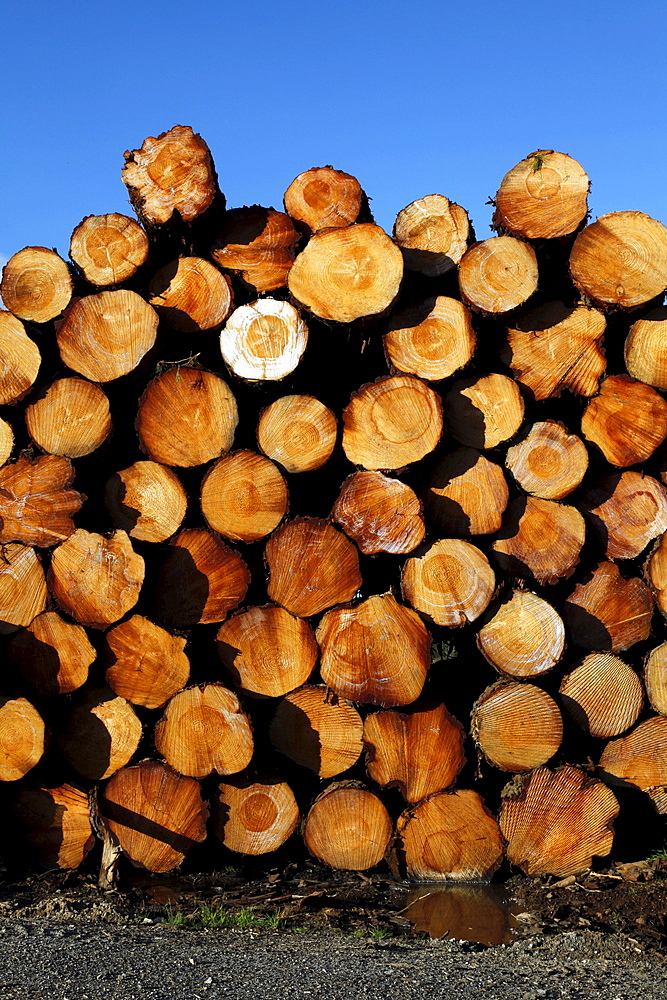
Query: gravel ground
{"points": [[91, 961]]}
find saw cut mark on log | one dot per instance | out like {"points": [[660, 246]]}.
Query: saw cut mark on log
{"points": [[108, 248], [452, 582], [324, 198], [19, 359], [36, 284], [433, 234], [71, 417], [544, 196], [432, 340], [191, 294], [264, 340]]}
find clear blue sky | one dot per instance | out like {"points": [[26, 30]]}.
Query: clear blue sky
{"points": [[411, 98]]}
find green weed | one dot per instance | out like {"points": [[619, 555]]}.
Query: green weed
{"points": [[217, 916]]}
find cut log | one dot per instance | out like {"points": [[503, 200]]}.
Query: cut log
{"points": [[318, 731], [391, 423], [244, 497], [19, 359], [525, 637], [258, 244], [267, 651], [171, 174], [348, 827], [543, 197], [603, 695], [452, 582], [377, 652], [498, 274], [201, 580], [191, 294], [380, 514], [541, 539], [432, 340], [607, 613], [554, 822], [52, 655], [95, 579], [555, 347], [254, 817], [264, 340], [21, 738], [621, 259], [6, 441], [324, 198], [147, 501], [204, 729], [548, 462], [147, 665], [312, 566], [23, 592], [36, 504], [101, 735], [156, 815], [451, 836], [627, 420], [71, 418], [640, 759], [106, 335], [55, 823], [646, 349], [419, 752], [346, 274], [433, 234], [655, 573], [108, 248], [482, 411], [186, 417], [516, 726], [655, 678], [36, 284], [298, 432], [627, 512], [467, 494]]}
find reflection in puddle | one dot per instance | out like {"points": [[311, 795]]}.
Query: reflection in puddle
{"points": [[467, 912]]}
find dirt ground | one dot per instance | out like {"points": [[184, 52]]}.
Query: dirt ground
{"points": [[627, 900]]}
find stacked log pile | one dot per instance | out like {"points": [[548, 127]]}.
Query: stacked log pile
{"points": [[309, 527]]}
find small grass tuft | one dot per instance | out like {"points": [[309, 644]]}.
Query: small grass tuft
{"points": [[217, 916]]}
